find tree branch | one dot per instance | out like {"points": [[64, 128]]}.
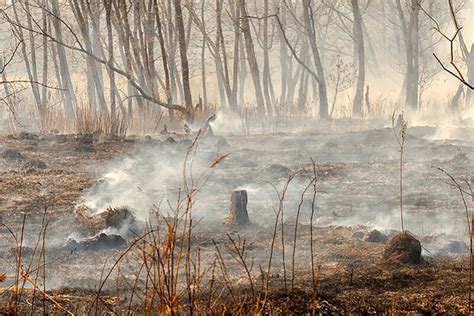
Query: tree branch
{"points": [[11, 57], [457, 74], [293, 51]]}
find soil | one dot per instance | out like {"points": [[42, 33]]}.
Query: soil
{"points": [[358, 184]]}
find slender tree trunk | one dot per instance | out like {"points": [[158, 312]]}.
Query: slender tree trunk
{"points": [[44, 93], [222, 51], [252, 59], [123, 30], [203, 59], [69, 95], [82, 21], [367, 100], [184, 60], [237, 42], [242, 75], [470, 75], [303, 93], [149, 49], [96, 47], [413, 97], [290, 97], [310, 28], [164, 56], [360, 53], [174, 80], [110, 44], [267, 80], [284, 62], [33, 61], [454, 102], [410, 32], [29, 58]]}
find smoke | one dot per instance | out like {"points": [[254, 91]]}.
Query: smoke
{"points": [[227, 122], [150, 175], [358, 178]]}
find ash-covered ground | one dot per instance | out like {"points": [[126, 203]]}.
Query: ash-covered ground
{"points": [[357, 191]]}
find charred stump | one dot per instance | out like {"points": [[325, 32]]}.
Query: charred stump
{"points": [[238, 214]]}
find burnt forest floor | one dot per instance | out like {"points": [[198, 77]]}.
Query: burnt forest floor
{"points": [[44, 177]]}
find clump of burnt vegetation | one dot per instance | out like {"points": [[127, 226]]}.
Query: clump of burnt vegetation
{"points": [[403, 248]]}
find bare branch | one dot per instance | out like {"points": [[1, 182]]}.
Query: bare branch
{"points": [[32, 81], [293, 51], [457, 73], [11, 57]]}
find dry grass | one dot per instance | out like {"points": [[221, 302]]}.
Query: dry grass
{"points": [[110, 125]]}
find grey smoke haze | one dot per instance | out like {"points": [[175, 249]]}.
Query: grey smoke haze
{"points": [[358, 182]]}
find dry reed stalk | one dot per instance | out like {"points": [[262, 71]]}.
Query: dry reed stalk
{"points": [[470, 226], [401, 138], [296, 230], [26, 277], [240, 251], [314, 280]]}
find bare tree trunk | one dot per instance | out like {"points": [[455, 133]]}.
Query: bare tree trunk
{"points": [[149, 49], [454, 102], [164, 55], [122, 26], [45, 71], [410, 32], [303, 93], [110, 44], [69, 95], [30, 59], [221, 50], [267, 80], [242, 75], [184, 60], [310, 28], [359, 49], [82, 21], [367, 100], [470, 76], [171, 39], [93, 9], [290, 97], [284, 62], [252, 59], [412, 91], [227, 90], [371, 56], [33, 61], [235, 9], [203, 59]]}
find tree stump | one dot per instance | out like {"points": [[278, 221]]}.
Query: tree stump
{"points": [[238, 214]]}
